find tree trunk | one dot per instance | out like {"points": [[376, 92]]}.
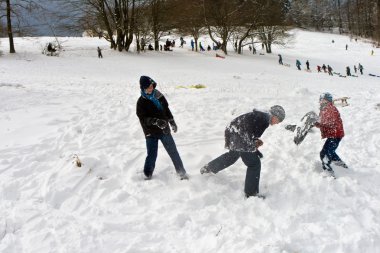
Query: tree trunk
{"points": [[9, 25], [378, 22], [340, 18], [358, 25], [349, 16]]}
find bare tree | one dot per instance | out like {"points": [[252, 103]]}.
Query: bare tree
{"points": [[189, 18], [378, 22], [221, 19], [13, 11]]}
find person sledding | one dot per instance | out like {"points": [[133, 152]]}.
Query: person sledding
{"points": [[331, 125], [155, 118], [242, 139]]}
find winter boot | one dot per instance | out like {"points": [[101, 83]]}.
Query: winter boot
{"points": [[341, 164], [205, 169], [183, 176]]}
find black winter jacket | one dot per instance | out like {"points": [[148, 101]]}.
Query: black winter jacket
{"points": [[242, 132], [147, 111]]}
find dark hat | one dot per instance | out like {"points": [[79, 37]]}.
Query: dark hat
{"points": [[146, 81], [278, 112]]}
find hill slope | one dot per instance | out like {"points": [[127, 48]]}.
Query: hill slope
{"points": [[52, 108]]}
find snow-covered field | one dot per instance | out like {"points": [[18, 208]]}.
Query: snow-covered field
{"points": [[52, 108]]}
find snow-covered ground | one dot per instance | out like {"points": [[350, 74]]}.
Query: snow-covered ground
{"points": [[52, 108]]}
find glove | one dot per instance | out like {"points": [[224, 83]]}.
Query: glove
{"points": [[258, 143], [173, 125], [162, 124]]}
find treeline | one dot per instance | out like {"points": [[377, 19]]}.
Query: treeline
{"points": [[240, 22], [357, 17], [244, 22]]}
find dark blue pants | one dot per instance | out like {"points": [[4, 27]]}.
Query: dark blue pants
{"points": [[251, 160], [152, 149], [328, 154]]}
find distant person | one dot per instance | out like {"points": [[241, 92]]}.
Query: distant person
{"points": [[331, 125], [242, 139], [280, 59], [319, 68], [156, 120], [182, 42], [250, 48], [168, 44], [361, 69], [372, 52], [192, 45], [51, 48], [236, 46], [355, 69], [167, 48], [330, 69], [262, 46], [346, 46], [298, 64], [208, 48], [201, 47], [150, 47], [324, 68], [348, 71], [307, 65], [143, 44], [160, 47], [173, 43], [100, 55]]}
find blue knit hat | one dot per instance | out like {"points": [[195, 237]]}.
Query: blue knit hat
{"points": [[326, 96], [146, 81]]}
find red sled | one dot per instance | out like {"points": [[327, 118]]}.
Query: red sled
{"points": [[220, 56]]}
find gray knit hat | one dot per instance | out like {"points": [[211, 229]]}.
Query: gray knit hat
{"points": [[278, 112]]}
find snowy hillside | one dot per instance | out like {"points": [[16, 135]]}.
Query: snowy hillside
{"points": [[53, 108]]}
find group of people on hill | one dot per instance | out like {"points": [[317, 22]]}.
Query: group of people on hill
{"points": [[201, 48], [326, 69], [242, 136]]}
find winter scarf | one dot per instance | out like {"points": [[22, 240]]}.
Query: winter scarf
{"points": [[152, 97]]}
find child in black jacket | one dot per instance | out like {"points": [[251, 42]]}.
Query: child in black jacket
{"points": [[155, 117]]}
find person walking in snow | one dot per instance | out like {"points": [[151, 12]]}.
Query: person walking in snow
{"points": [[242, 139], [307, 65], [298, 64], [361, 69], [355, 69], [319, 68], [331, 125], [182, 42], [99, 53], [201, 47], [346, 46], [329, 69], [324, 68], [192, 45], [155, 118], [348, 71], [280, 59]]}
